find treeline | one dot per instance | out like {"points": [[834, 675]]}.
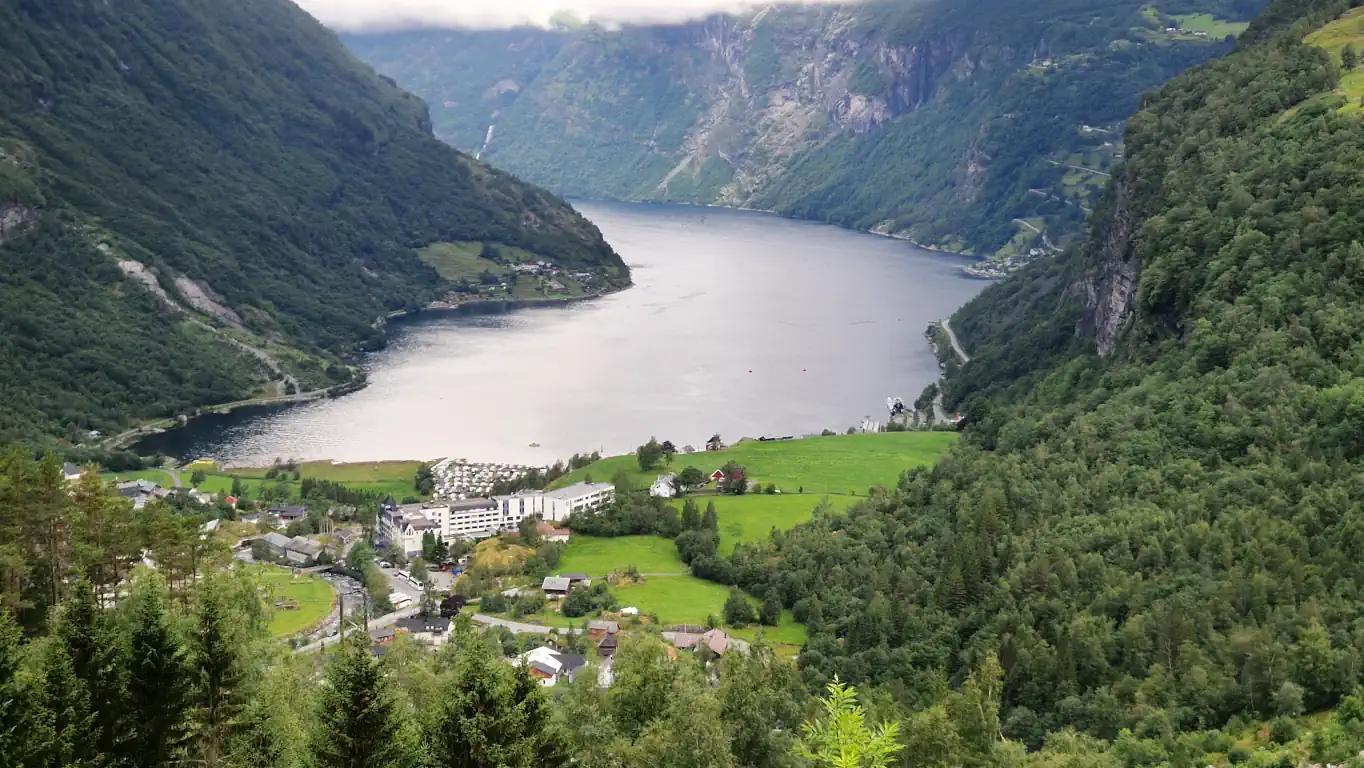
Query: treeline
{"points": [[53, 534]]}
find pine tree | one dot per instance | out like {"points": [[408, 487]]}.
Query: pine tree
{"points": [[711, 520], [1349, 58], [691, 516], [99, 662], [20, 737], [215, 670], [158, 691], [359, 723]]}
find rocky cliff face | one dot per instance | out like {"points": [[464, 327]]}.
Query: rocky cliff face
{"points": [[1110, 285], [943, 122]]}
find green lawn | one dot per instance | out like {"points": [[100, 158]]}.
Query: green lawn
{"points": [[313, 595], [839, 464], [750, 518], [787, 633], [675, 599], [389, 478], [598, 557], [1206, 22]]}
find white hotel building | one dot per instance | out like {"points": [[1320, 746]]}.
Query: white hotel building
{"points": [[480, 518]]}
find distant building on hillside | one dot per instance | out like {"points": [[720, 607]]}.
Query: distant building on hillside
{"points": [[663, 486]]}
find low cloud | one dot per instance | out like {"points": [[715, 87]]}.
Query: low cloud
{"points": [[387, 15]]}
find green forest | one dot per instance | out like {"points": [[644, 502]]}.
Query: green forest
{"points": [[1139, 553], [233, 150]]}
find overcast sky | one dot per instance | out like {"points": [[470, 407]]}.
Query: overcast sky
{"points": [[358, 15]]}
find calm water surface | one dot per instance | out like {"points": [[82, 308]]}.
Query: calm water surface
{"points": [[739, 323]]}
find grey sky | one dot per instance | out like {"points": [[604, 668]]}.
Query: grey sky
{"points": [[355, 15]]}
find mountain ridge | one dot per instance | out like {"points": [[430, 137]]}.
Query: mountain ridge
{"points": [[231, 165], [935, 122]]}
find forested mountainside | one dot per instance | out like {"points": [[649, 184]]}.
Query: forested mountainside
{"points": [[200, 201], [1154, 514], [941, 121]]}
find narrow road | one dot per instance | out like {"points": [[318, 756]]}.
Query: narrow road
{"points": [[516, 626], [956, 346], [383, 621], [1080, 168]]}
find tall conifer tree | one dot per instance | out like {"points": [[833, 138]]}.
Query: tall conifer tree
{"points": [[359, 723]]}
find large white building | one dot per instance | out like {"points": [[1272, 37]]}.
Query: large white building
{"points": [[468, 519], [565, 502], [553, 506]]}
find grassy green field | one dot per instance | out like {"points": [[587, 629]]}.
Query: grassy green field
{"points": [[313, 595], [675, 599], [839, 464], [1206, 22], [389, 478], [750, 518], [598, 557], [1347, 30]]}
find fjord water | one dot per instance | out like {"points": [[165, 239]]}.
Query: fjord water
{"points": [[740, 323]]}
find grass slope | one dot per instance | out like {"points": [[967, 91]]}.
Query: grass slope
{"points": [[746, 519], [599, 556], [839, 464], [1347, 30]]}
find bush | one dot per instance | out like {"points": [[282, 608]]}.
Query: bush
{"points": [[1283, 731], [1238, 755], [738, 611]]}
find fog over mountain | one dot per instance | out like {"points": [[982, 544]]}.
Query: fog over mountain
{"points": [[388, 15]]}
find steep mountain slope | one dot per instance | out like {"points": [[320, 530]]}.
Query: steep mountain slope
{"points": [[1154, 515], [941, 121], [193, 194]]}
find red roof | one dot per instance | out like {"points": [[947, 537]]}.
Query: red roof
{"points": [[718, 474]]}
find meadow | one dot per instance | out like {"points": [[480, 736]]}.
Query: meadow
{"points": [[313, 595], [837, 464], [598, 557], [386, 478]]}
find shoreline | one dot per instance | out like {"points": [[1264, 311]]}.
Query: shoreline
{"points": [[128, 439]]}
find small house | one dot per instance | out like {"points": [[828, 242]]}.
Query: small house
{"points": [[601, 627], [717, 641], [288, 513], [382, 636], [718, 476], [664, 487], [71, 472], [607, 645], [577, 579], [556, 587], [278, 543], [302, 551], [250, 517], [432, 628], [549, 666], [548, 532]]}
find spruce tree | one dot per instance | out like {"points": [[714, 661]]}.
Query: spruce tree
{"points": [[20, 737], [97, 651], [63, 706], [158, 692], [493, 716], [691, 516], [358, 721], [711, 520], [215, 670]]}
